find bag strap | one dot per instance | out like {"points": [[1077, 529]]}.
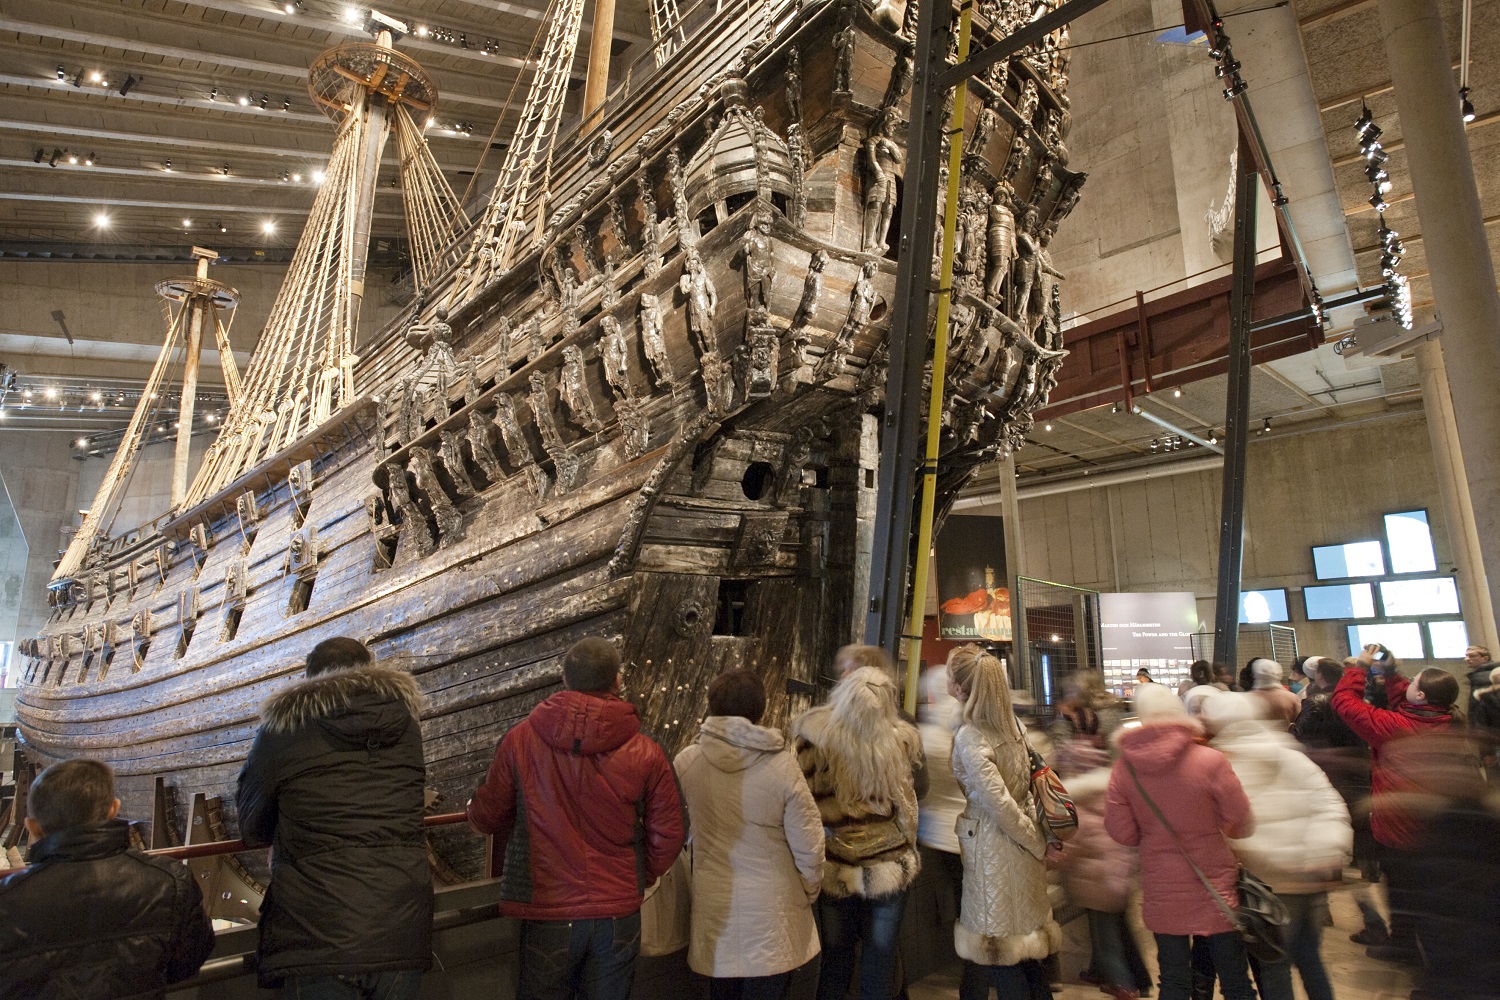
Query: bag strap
{"points": [[1233, 917]]}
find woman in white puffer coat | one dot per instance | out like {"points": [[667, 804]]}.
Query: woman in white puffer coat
{"points": [[757, 847], [1302, 839], [1005, 926]]}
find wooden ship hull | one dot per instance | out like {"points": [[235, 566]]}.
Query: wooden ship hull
{"points": [[593, 442]]}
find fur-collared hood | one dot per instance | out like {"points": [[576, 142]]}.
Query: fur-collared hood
{"points": [[320, 698]]}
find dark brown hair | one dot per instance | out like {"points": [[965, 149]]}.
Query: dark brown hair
{"points": [[73, 793], [738, 692], [338, 653], [1440, 687], [1201, 672], [1330, 672], [591, 665]]}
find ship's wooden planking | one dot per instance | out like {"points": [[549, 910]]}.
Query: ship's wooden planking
{"points": [[693, 476]]}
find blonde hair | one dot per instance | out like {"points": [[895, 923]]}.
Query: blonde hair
{"points": [[868, 762], [981, 677], [850, 658]]}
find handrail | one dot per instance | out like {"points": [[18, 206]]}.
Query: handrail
{"points": [[218, 847]]}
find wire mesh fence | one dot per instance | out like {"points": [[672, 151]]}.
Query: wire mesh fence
{"points": [[1057, 634], [1274, 642]]}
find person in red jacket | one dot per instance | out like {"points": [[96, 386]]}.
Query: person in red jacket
{"points": [[1423, 705], [589, 814]]}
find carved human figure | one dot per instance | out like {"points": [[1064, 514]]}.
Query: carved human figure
{"points": [[1045, 290], [572, 389], [452, 455], [807, 308], [615, 354], [650, 229], [1024, 271], [970, 248], [481, 447], [861, 305], [884, 161], [798, 156], [702, 302], [568, 304], [794, 85], [1027, 104], [759, 266], [1002, 238], [654, 343], [843, 66]]}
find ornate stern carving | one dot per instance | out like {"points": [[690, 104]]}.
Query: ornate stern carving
{"points": [[843, 59], [481, 446], [759, 539], [451, 452], [382, 528], [536, 342], [794, 85], [517, 447], [573, 390], [414, 528], [635, 427], [565, 464], [502, 349], [650, 229], [450, 523], [654, 343], [702, 306], [861, 304], [884, 163], [807, 308], [799, 156]]}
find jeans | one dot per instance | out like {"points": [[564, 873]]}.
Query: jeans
{"points": [[579, 959], [750, 987], [853, 921], [1303, 936], [1175, 956], [404, 985], [1114, 956], [1400, 884], [1022, 981]]}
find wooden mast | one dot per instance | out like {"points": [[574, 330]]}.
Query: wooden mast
{"points": [[199, 308], [596, 84]]}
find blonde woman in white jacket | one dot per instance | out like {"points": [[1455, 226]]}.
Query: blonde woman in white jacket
{"points": [[1005, 927], [1302, 839], [757, 848]]}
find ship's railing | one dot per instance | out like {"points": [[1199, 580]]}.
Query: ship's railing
{"points": [[216, 848]]}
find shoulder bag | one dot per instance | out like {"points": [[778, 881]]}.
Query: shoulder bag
{"points": [[1261, 915], [1055, 811]]}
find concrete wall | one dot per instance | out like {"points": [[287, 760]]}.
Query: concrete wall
{"points": [[1154, 133], [41, 476], [1304, 489]]}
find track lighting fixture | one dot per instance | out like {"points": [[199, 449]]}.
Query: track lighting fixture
{"points": [[244, 100], [1265, 428], [88, 161], [213, 93], [286, 176], [264, 100], [167, 166], [62, 73], [130, 81], [41, 154], [78, 77], [224, 170], [56, 155], [72, 159], [1465, 107], [1377, 202], [286, 104], [223, 228]]}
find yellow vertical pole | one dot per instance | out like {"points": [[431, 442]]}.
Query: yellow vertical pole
{"points": [[939, 367]]}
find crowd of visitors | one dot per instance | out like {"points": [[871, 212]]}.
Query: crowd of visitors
{"points": [[805, 846]]}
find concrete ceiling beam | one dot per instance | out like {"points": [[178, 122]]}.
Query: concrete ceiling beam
{"points": [[176, 206]]}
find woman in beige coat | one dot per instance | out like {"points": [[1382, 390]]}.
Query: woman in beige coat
{"points": [[757, 848], [1005, 927]]}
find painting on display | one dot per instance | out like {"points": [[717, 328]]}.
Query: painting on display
{"points": [[973, 600]]}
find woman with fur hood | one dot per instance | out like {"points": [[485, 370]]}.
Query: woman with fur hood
{"points": [[1302, 837], [1201, 804], [860, 760], [1005, 926]]}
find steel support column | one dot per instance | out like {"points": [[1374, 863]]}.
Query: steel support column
{"points": [[900, 451], [1236, 413]]}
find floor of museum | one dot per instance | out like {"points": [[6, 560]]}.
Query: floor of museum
{"points": [[1354, 975]]}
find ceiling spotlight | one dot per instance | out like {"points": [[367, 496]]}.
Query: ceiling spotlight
{"points": [[1377, 154], [1046, 427], [167, 166], [1213, 438], [431, 121], [1366, 120], [1465, 108], [88, 161], [223, 228], [1235, 89], [224, 170], [1155, 444], [213, 93], [291, 6], [1176, 393], [101, 220], [244, 100], [41, 154], [73, 159], [56, 155], [264, 100], [268, 226], [1377, 202], [286, 104], [1265, 428], [1375, 173], [296, 178], [96, 77], [421, 33], [130, 81], [285, 176], [49, 392], [78, 77], [352, 15], [62, 73], [81, 443], [96, 396], [318, 177], [1114, 408], [187, 223]]}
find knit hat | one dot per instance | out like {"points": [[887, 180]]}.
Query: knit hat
{"points": [[1310, 667], [1267, 673], [1157, 703], [1226, 708]]}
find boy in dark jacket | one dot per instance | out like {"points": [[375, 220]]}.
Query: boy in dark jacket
{"points": [[588, 813], [335, 784], [91, 918]]}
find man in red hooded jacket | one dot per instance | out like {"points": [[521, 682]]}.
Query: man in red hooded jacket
{"points": [[1423, 705], [589, 814]]}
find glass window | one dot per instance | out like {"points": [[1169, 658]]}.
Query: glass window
{"points": [[1449, 640], [1435, 596], [1344, 600], [1402, 638], [1260, 606], [1410, 540], [1339, 562]]}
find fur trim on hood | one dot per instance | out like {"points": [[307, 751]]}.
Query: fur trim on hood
{"points": [[331, 693]]}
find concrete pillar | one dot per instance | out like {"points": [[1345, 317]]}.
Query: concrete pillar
{"points": [[1458, 255], [1015, 558], [1452, 482]]}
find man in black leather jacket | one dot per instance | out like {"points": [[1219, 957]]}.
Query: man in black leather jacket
{"points": [[335, 783], [91, 918]]}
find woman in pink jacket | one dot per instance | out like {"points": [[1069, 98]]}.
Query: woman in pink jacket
{"points": [[1196, 791]]}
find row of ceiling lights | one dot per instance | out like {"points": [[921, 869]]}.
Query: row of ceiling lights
{"points": [[1397, 289]]}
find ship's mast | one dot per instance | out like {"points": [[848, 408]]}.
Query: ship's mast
{"points": [[596, 84], [199, 307]]}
